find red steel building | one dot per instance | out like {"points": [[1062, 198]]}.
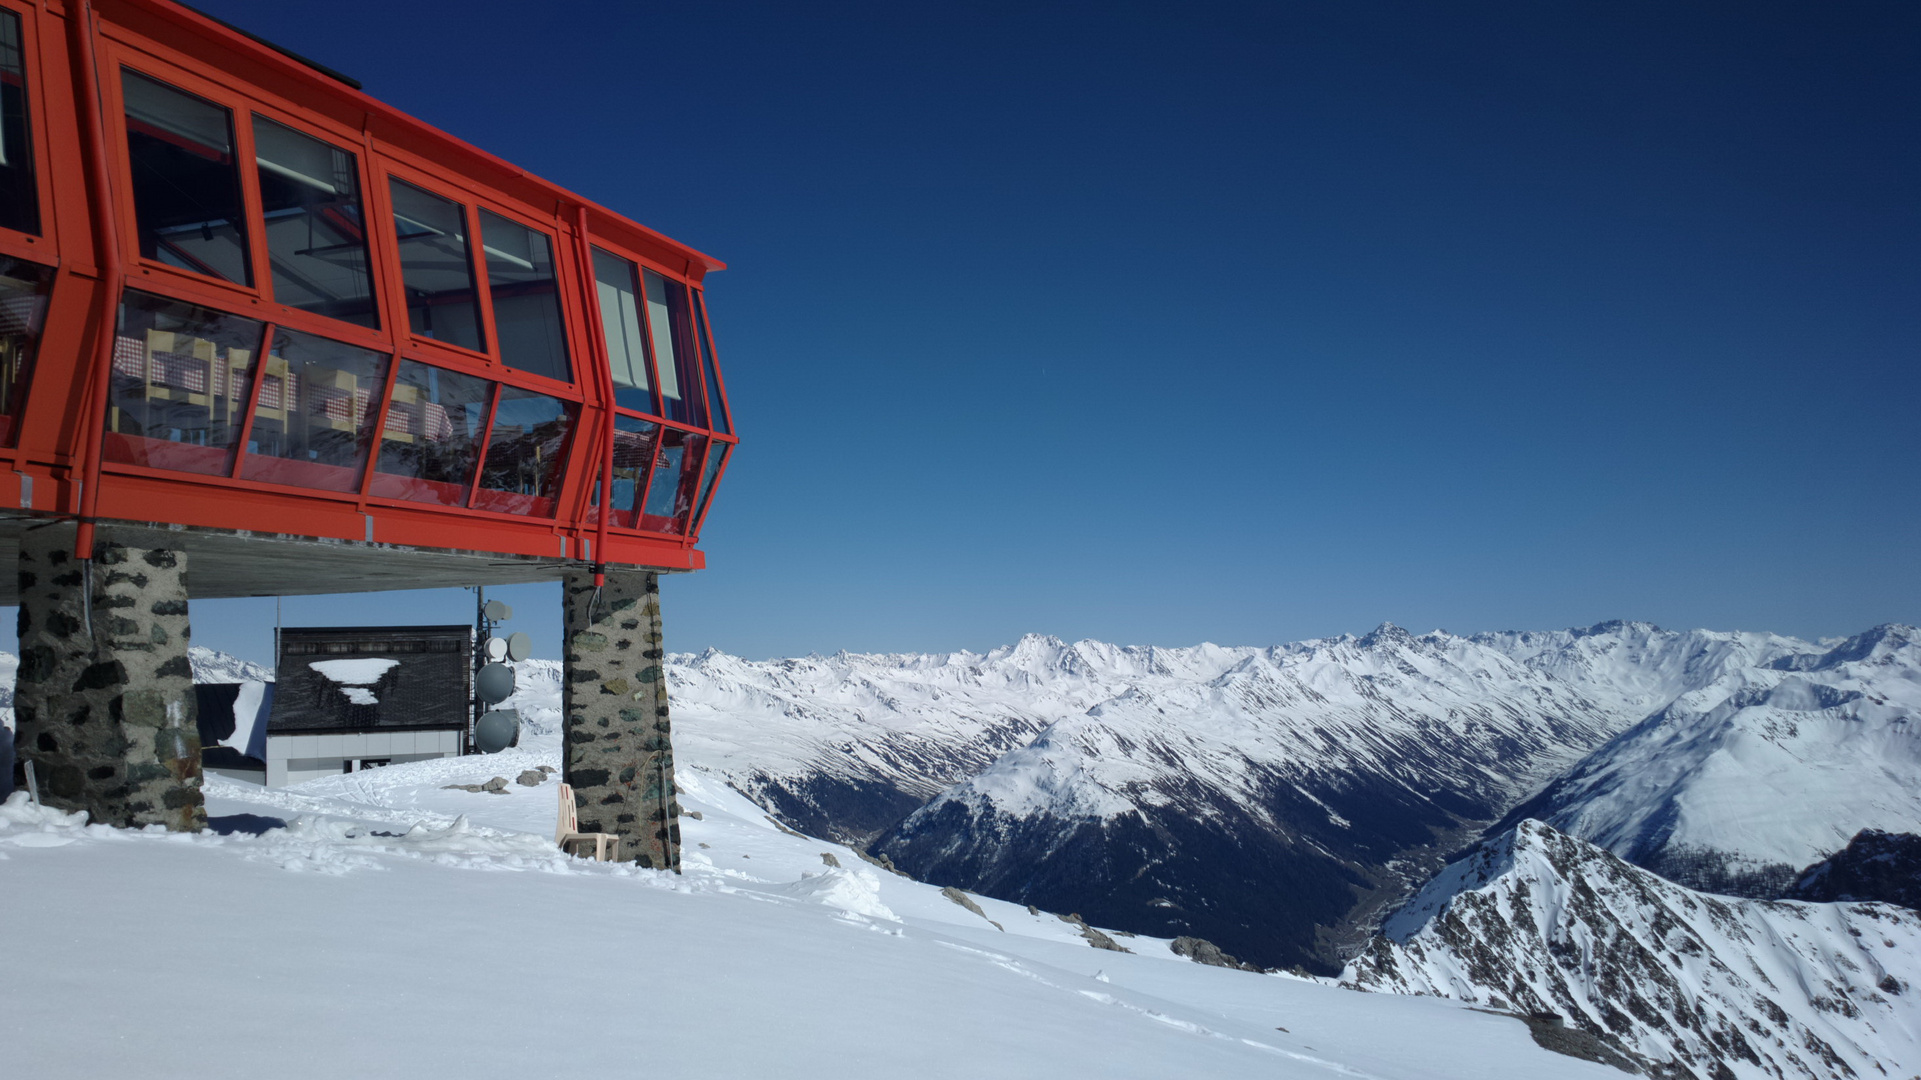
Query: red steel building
{"points": [[318, 345]]}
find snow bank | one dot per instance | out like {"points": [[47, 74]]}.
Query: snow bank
{"points": [[359, 671]]}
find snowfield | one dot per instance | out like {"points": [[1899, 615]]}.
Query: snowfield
{"points": [[396, 928]]}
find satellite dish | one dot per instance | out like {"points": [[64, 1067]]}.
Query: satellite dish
{"points": [[497, 649], [496, 730], [495, 682], [519, 646], [496, 611]]}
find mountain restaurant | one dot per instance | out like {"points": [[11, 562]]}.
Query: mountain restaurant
{"points": [[261, 334]]}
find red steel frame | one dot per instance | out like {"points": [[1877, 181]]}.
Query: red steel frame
{"points": [[74, 51]]}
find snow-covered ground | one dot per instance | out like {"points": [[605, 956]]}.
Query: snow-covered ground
{"points": [[397, 928]]}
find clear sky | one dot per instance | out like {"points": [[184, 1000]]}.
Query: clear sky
{"points": [[1238, 322]]}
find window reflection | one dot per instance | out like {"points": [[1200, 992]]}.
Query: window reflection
{"points": [[19, 196], [436, 268], [316, 236], [431, 440], [675, 357], [23, 310], [716, 457], [634, 443], [716, 403], [186, 187], [181, 374], [618, 283], [315, 416], [670, 492], [520, 281], [525, 453]]}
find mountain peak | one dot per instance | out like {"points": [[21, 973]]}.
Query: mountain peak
{"points": [[1615, 626], [1385, 634]]}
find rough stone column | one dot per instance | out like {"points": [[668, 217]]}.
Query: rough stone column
{"points": [[108, 719], [619, 751]]}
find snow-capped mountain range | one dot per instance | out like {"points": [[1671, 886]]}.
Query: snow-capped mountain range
{"points": [[1340, 771], [1169, 790], [1693, 985]]}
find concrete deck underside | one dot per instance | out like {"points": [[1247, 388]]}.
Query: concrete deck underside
{"points": [[229, 564]]}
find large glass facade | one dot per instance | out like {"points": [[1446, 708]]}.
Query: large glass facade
{"points": [[316, 232], [617, 283], [181, 375], [525, 452], [436, 267], [186, 182], [23, 310], [314, 420], [431, 441], [422, 408], [526, 298], [19, 195]]}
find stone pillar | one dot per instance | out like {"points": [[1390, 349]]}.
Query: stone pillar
{"points": [[107, 717], [618, 752]]}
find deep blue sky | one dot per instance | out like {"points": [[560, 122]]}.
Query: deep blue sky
{"points": [[1239, 322]]}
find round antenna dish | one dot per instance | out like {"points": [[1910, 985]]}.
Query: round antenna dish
{"points": [[496, 730], [519, 646], [495, 682], [496, 649], [497, 611]]}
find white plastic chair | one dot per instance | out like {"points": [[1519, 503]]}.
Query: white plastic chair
{"points": [[567, 831]]}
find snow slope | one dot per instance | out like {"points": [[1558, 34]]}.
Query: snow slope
{"points": [[1702, 986], [398, 929], [1740, 783]]}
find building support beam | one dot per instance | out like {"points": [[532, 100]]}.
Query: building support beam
{"points": [[618, 752], [104, 704]]}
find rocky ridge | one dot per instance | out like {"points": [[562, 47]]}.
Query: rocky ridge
{"points": [[1692, 985]]}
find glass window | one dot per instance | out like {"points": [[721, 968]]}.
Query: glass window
{"points": [[431, 440], [23, 310], [674, 352], [19, 197], [670, 494], [316, 234], [716, 457], [520, 279], [314, 419], [181, 374], [634, 443], [618, 283], [525, 453], [716, 402], [436, 268], [186, 184]]}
